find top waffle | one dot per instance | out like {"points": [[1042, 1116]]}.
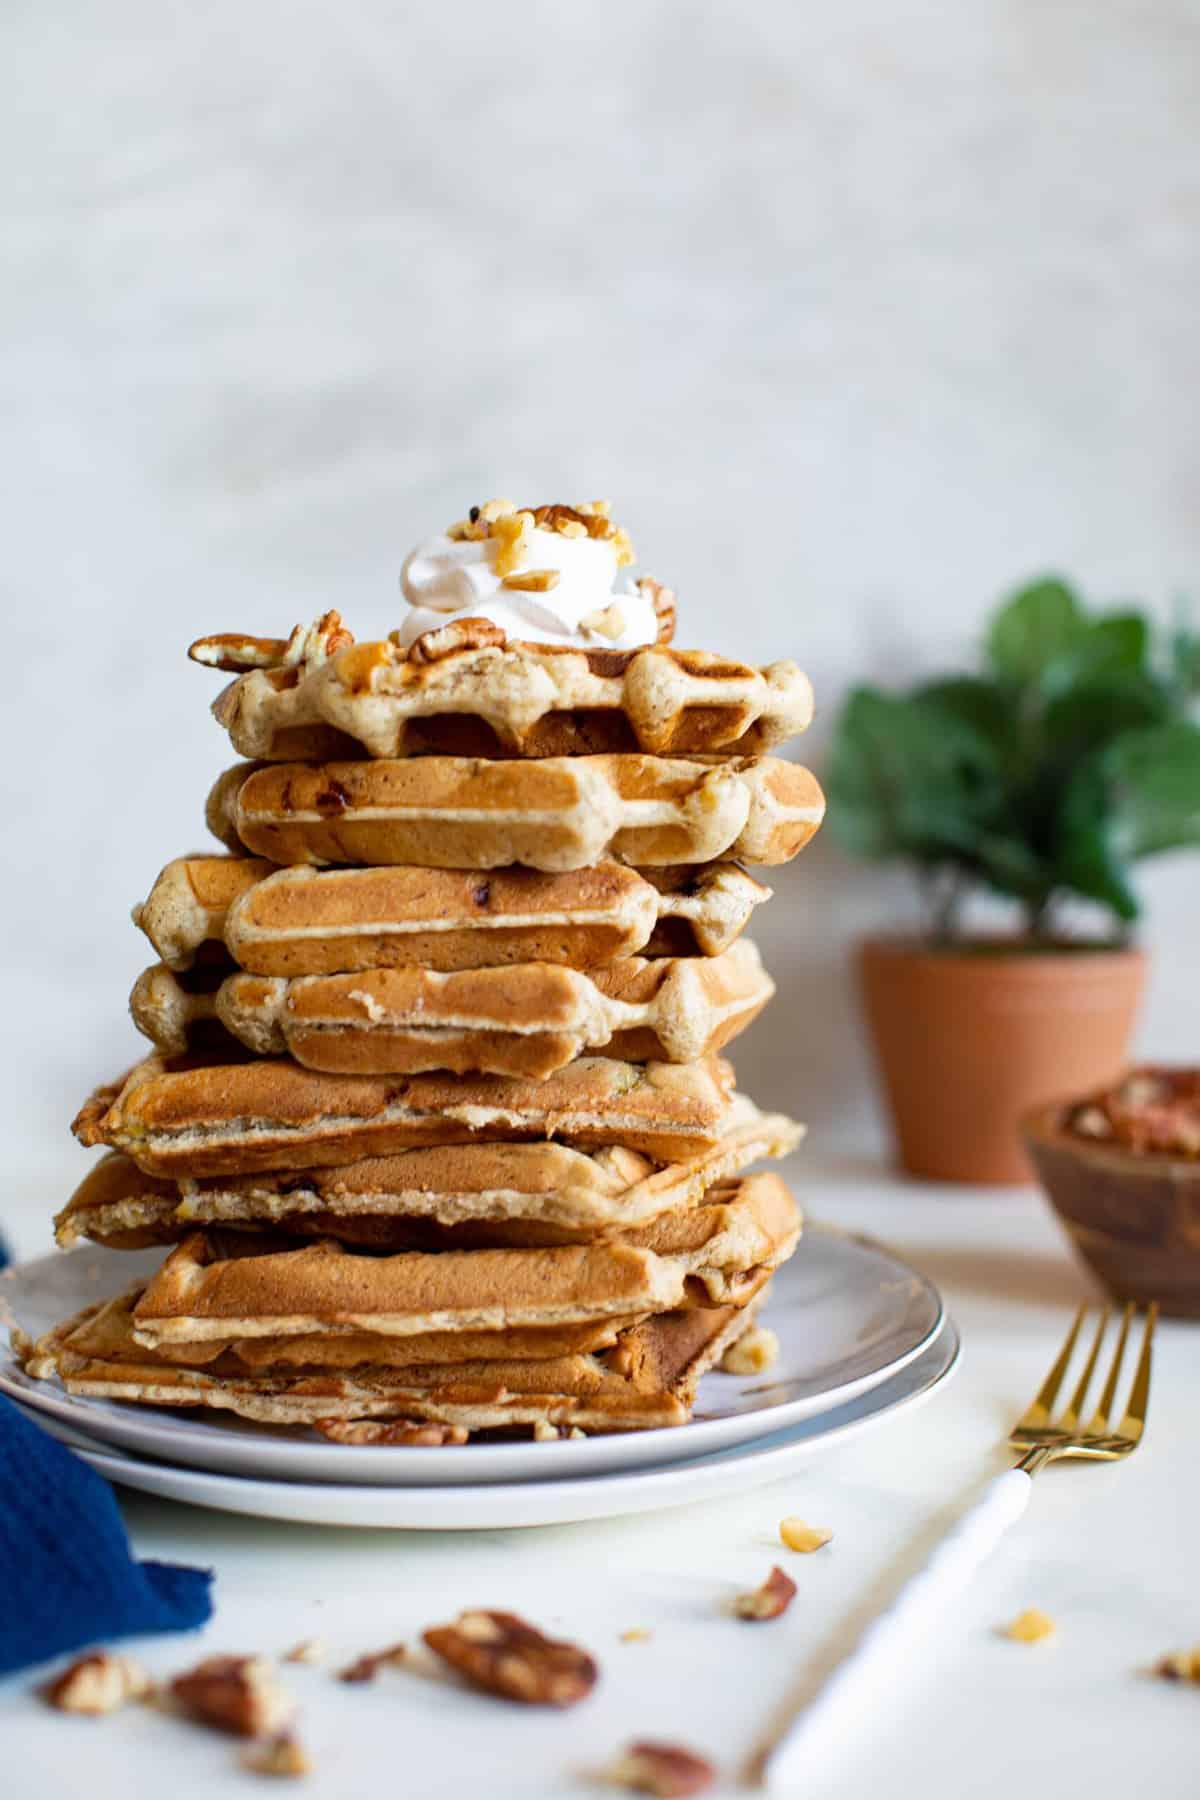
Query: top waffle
{"points": [[466, 690]]}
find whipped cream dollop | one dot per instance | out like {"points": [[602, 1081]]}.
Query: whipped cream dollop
{"points": [[576, 604]]}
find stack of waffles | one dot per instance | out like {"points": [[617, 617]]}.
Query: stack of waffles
{"points": [[436, 1130]]}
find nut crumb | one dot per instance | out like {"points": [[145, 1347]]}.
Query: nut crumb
{"points": [[768, 1601], [544, 1432], [499, 1652], [281, 1755], [311, 1650], [533, 581], [666, 1770], [637, 1634], [1179, 1665], [753, 1352], [1030, 1627], [365, 1668], [606, 621], [238, 1694], [796, 1535], [97, 1684]]}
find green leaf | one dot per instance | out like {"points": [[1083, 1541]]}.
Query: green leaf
{"points": [[1092, 713], [1138, 797], [1115, 644], [906, 780], [1038, 625], [981, 705]]}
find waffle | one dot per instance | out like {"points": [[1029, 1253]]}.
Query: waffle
{"points": [[224, 1286], [527, 1020], [648, 1378], [564, 813], [456, 1195], [304, 921], [507, 699], [188, 1116]]}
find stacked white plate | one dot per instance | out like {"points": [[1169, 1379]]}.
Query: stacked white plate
{"points": [[860, 1333]]}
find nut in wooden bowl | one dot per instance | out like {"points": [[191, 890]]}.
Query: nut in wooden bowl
{"points": [[1122, 1171]]}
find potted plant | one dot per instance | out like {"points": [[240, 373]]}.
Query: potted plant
{"points": [[1042, 778]]}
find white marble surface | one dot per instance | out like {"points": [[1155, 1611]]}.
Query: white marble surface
{"points": [[860, 314], [1108, 1551]]}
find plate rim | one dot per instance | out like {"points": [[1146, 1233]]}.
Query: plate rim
{"points": [[750, 1463], [242, 1453]]}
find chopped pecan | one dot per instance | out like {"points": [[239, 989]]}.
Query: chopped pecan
{"points": [[666, 1770], [98, 1683], [500, 1653], [533, 581], [311, 1650], [796, 1535], [768, 1601], [606, 621], [238, 1694], [391, 1432], [1179, 1665], [460, 634], [366, 1668], [280, 1755], [234, 653], [1030, 1627], [753, 1352]]}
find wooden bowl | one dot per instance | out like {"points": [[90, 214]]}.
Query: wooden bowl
{"points": [[1133, 1217]]}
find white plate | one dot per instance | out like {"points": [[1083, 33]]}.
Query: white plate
{"points": [[849, 1315], [503, 1506]]}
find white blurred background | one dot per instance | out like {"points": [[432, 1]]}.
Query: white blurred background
{"points": [[860, 314]]}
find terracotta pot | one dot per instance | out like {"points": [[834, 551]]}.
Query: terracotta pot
{"points": [[969, 1040], [1134, 1218]]}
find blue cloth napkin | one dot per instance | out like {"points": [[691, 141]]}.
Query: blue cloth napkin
{"points": [[67, 1579]]}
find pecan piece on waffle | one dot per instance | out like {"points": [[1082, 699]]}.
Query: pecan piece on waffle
{"points": [[391, 1432], [768, 1601], [666, 1770], [460, 634], [309, 645], [98, 1683], [238, 1694], [663, 600], [367, 1667], [499, 1652]]}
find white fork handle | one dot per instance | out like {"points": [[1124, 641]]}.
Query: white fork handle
{"points": [[890, 1643]]}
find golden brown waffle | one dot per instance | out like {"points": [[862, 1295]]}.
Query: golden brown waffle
{"points": [[648, 1378], [187, 1116], [562, 813], [304, 921], [508, 699], [527, 1020], [450, 1196], [226, 1286]]}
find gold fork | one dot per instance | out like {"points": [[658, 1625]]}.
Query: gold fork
{"points": [[891, 1640]]}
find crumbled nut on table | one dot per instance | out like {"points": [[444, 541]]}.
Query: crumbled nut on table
{"points": [[366, 1667], [666, 1770], [1179, 1665], [98, 1683], [796, 1535], [499, 1652], [768, 1601], [1030, 1627], [238, 1694], [282, 1755]]}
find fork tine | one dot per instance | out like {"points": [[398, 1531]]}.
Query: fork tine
{"points": [[1097, 1425], [1038, 1415], [1070, 1417], [1134, 1422]]}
